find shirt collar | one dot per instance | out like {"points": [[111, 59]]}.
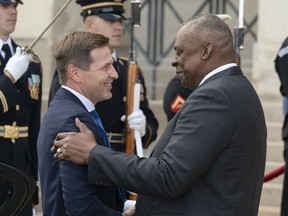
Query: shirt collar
{"points": [[114, 56], [217, 70], [85, 101]]}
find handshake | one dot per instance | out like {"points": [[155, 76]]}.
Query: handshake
{"points": [[17, 65]]}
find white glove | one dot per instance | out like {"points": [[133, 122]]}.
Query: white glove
{"points": [[137, 121], [17, 64]]}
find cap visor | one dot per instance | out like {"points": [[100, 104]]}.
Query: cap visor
{"points": [[10, 2], [108, 16]]}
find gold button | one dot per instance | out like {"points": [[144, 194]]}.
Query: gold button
{"points": [[17, 107]]}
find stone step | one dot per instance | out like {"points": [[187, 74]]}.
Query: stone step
{"points": [[268, 211], [274, 131], [273, 111], [272, 190], [271, 194], [274, 151]]}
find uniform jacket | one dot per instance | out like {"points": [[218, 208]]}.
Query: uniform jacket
{"points": [[116, 105], [174, 97], [281, 67], [64, 186], [20, 105], [209, 161]]}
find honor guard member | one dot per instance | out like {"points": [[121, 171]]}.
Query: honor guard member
{"points": [[281, 67], [105, 17], [20, 103]]}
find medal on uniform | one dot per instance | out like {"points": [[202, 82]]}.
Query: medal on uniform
{"points": [[34, 82]]}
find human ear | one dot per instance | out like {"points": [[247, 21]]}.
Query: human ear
{"points": [[88, 24], [73, 72], [207, 49]]}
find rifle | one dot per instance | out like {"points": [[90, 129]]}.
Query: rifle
{"points": [[132, 76], [132, 79]]}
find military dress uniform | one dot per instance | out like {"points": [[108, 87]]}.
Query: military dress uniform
{"points": [[281, 67], [20, 107], [111, 111]]}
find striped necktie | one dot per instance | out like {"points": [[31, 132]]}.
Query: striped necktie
{"points": [[98, 122]]}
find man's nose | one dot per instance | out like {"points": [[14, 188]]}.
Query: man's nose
{"points": [[114, 73], [174, 62]]}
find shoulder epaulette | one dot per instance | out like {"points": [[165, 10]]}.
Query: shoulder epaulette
{"points": [[123, 58]]}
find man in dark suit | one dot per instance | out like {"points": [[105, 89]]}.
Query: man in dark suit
{"points": [[106, 17], [86, 73], [210, 160], [20, 104]]}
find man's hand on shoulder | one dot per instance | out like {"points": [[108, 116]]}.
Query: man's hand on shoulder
{"points": [[74, 147]]}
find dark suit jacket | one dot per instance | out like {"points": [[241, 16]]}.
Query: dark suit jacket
{"points": [[210, 160], [64, 186]]}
